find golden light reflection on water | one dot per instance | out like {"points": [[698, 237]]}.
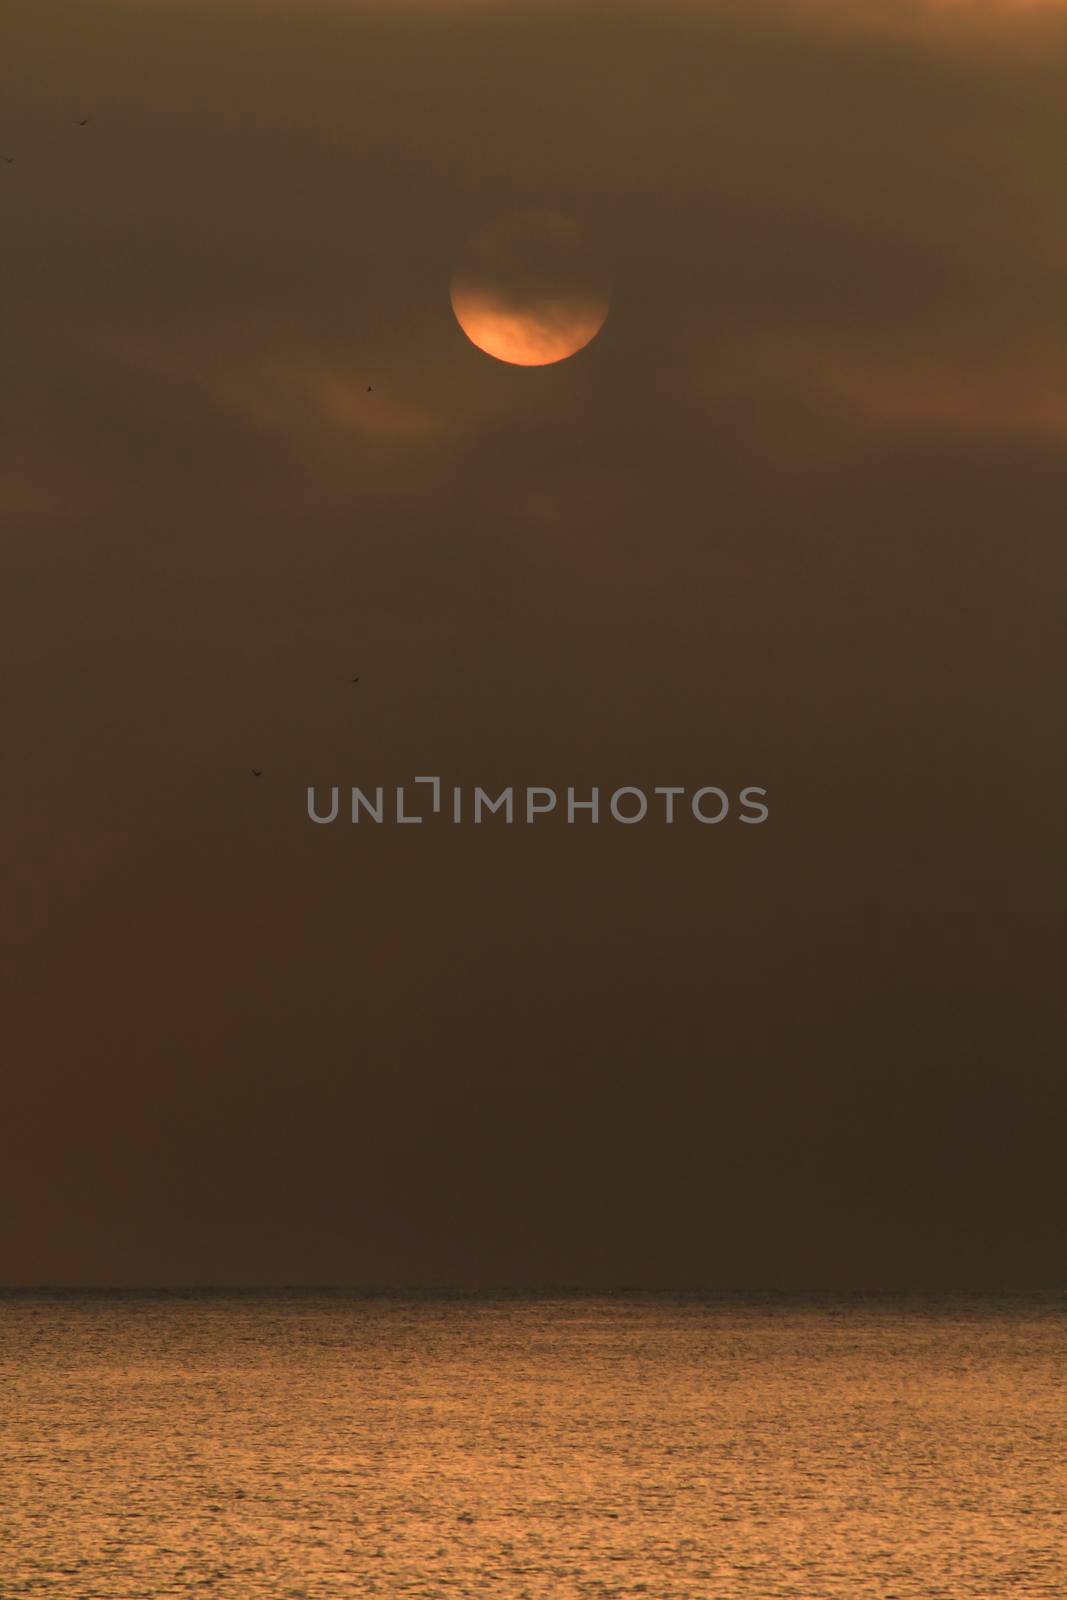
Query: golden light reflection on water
{"points": [[330, 1446]]}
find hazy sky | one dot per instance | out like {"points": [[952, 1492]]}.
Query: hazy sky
{"points": [[795, 519]]}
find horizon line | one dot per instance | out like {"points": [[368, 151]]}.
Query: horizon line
{"points": [[544, 1289]]}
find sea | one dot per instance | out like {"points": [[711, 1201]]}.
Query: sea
{"points": [[323, 1444]]}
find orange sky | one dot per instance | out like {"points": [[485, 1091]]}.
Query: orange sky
{"points": [[794, 518]]}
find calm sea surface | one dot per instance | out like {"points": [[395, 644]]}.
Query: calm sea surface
{"points": [[335, 1445]]}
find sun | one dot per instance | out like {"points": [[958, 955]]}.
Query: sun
{"points": [[529, 289]]}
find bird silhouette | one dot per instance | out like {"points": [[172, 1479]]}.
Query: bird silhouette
{"points": [[369, 389], [10, 160], [355, 680], [256, 774], [85, 122]]}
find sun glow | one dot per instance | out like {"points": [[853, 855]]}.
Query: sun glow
{"points": [[535, 337]]}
